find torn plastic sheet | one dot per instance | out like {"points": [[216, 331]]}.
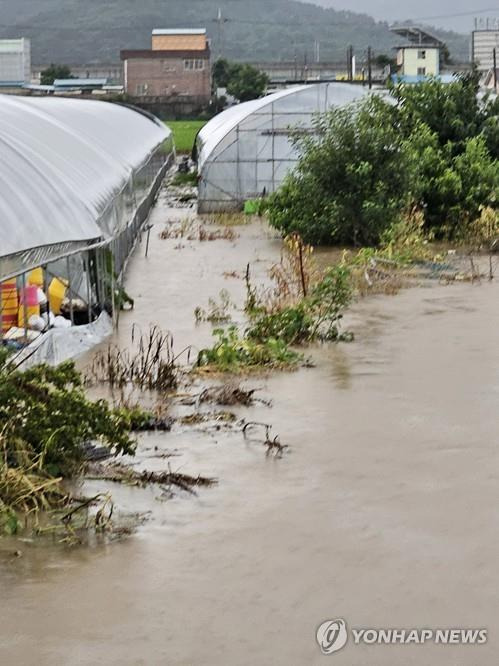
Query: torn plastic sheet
{"points": [[64, 344]]}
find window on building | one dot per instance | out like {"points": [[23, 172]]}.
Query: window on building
{"points": [[141, 89], [421, 71], [194, 65], [421, 55]]}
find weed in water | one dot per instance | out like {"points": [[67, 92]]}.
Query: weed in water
{"points": [[185, 179], [217, 312], [150, 364], [191, 230], [233, 353]]}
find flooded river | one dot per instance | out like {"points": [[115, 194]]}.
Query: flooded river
{"points": [[384, 513]]}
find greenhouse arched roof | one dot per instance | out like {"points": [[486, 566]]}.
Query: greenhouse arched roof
{"points": [[64, 162], [247, 149]]}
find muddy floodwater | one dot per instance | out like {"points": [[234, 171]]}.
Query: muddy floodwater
{"points": [[385, 512]]}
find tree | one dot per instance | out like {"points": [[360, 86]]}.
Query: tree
{"points": [[383, 60], [243, 82], [352, 180], [453, 111], [49, 75], [435, 151], [246, 82], [221, 73]]}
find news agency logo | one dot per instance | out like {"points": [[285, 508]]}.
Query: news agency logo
{"points": [[332, 635]]}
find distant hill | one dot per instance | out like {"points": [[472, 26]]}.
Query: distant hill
{"points": [[87, 31]]}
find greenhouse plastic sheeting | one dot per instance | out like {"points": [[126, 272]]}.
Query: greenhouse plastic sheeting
{"points": [[64, 344], [72, 174], [246, 151]]}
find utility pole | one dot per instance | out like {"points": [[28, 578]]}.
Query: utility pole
{"points": [[494, 59], [369, 67], [221, 21], [350, 63], [317, 51]]}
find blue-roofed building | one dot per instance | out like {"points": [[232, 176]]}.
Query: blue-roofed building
{"points": [[79, 84]]}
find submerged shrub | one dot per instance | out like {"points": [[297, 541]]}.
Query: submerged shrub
{"points": [[233, 353], [45, 411], [316, 315]]}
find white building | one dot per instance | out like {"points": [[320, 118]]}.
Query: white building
{"points": [[419, 57], [483, 44], [15, 62], [418, 61]]}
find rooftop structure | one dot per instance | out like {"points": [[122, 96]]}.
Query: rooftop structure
{"points": [[179, 39], [417, 36]]}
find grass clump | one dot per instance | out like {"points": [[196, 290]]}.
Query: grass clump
{"points": [[150, 363], [26, 488], [217, 312]]}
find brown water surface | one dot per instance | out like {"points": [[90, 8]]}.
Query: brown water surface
{"points": [[384, 513]]}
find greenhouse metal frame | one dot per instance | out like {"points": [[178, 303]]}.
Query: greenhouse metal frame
{"points": [[246, 151]]}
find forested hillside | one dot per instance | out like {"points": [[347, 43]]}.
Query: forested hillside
{"points": [[75, 31], [450, 14]]}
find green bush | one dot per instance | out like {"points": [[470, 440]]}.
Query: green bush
{"points": [[45, 410], [352, 180], [317, 315], [366, 166], [233, 353]]}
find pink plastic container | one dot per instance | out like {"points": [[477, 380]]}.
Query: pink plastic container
{"points": [[29, 295]]}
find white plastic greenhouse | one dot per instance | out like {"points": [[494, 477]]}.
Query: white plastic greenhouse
{"points": [[73, 174], [77, 181], [246, 151]]}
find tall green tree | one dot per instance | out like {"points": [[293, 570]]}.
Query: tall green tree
{"points": [[437, 149], [352, 180], [221, 72], [454, 111]]}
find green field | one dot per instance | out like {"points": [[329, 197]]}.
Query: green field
{"points": [[184, 133]]}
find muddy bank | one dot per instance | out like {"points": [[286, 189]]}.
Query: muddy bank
{"points": [[384, 511]]}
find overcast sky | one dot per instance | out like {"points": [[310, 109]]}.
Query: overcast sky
{"points": [[394, 10]]}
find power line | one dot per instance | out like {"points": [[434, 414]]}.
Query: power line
{"points": [[456, 15]]}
